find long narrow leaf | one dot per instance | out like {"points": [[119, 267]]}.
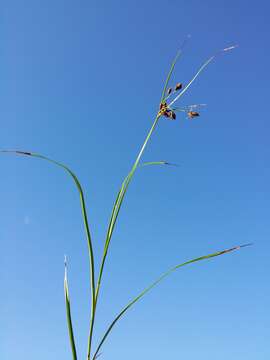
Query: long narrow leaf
{"points": [[163, 276], [116, 208], [157, 163], [120, 197], [169, 75], [82, 201], [204, 65], [84, 215], [69, 319], [179, 52]]}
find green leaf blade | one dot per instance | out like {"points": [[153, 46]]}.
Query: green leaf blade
{"points": [[156, 282], [68, 315]]}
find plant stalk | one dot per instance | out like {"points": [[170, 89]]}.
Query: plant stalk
{"points": [[111, 226]]}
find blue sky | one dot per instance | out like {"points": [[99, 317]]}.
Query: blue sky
{"points": [[81, 82]]}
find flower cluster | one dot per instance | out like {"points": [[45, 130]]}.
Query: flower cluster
{"points": [[168, 112], [164, 110]]}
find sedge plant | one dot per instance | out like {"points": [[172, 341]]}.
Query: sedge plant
{"points": [[168, 110]]}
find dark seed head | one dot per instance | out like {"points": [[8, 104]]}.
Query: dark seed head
{"points": [[166, 113], [178, 86], [192, 114], [169, 91], [162, 106], [170, 114], [173, 115]]}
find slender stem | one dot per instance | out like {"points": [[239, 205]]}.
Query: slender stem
{"points": [[92, 271], [111, 226], [122, 194], [119, 201]]}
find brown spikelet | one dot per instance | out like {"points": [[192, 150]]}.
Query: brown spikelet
{"points": [[178, 86], [193, 114]]}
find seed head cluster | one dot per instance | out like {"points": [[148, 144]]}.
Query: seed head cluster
{"points": [[164, 110], [169, 113]]}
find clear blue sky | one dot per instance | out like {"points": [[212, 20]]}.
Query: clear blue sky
{"points": [[80, 82]]}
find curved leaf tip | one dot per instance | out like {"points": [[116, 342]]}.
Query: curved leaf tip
{"points": [[17, 152]]}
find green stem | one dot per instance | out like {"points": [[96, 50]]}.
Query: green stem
{"points": [[119, 203], [119, 200], [114, 216]]}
